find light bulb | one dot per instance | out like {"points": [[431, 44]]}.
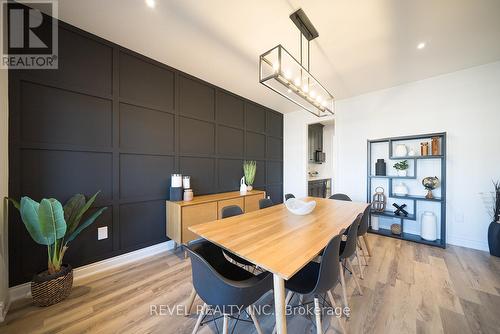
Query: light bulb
{"points": [[319, 99], [312, 94], [288, 74], [305, 88], [276, 67], [289, 90], [323, 103], [297, 82]]}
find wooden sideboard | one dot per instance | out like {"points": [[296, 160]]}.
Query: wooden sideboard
{"points": [[205, 208]]}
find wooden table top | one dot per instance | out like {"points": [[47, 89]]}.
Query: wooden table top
{"points": [[217, 197], [277, 240]]}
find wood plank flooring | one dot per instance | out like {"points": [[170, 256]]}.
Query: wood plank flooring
{"points": [[408, 288]]}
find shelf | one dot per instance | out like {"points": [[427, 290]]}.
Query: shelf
{"points": [[392, 177], [416, 198], [391, 214], [418, 157], [384, 231], [418, 238]]}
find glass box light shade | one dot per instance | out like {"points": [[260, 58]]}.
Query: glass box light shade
{"points": [[281, 72]]}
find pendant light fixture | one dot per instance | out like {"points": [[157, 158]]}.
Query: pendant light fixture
{"points": [[281, 72]]}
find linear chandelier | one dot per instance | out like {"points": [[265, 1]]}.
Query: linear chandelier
{"points": [[281, 72]]}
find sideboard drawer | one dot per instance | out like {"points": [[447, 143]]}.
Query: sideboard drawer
{"points": [[196, 214], [252, 202]]}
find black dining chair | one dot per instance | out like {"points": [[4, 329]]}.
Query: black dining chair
{"points": [[288, 196], [225, 286], [347, 249], [265, 203], [319, 279], [230, 211], [340, 197]]}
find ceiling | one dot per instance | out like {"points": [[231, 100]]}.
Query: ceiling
{"points": [[362, 46]]}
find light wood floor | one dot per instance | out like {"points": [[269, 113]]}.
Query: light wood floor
{"points": [[408, 288]]}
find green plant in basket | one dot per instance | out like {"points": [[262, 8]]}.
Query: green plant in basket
{"points": [[55, 226], [401, 165]]}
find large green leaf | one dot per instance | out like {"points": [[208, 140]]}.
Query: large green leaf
{"points": [[72, 210], [85, 224], [29, 214], [14, 202], [51, 216], [84, 209]]}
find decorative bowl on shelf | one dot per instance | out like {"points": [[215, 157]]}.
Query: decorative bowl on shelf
{"points": [[298, 207]]}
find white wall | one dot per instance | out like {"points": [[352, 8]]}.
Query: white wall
{"points": [[4, 180], [465, 104]]}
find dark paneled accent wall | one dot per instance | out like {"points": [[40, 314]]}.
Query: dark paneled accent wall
{"points": [[112, 120]]}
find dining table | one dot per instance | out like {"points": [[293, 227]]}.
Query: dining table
{"points": [[279, 241]]}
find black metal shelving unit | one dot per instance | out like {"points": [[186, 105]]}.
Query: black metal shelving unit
{"points": [[415, 199]]}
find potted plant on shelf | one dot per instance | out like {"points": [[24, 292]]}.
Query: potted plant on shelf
{"points": [[55, 226], [249, 169], [402, 167], [494, 228]]}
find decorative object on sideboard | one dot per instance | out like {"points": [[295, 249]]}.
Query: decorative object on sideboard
{"points": [[396, 229], [424, 149], [186, 182], [176, 189], [52, 225], [430, 183], [380, 167], [428, 226], [494, 228], [374, 223], [188, 195], [300, 208], [243, 186], [176, 180], [400, 210], [400, 189], [435, 145], [402, 168], [379, 200], [249, 169], [401, 150], [411, 153]]}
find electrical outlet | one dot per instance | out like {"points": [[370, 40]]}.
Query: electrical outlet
{"points": [[102, 233]]}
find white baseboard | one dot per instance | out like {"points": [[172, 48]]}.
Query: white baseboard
{"points": [[469, 243], [4, 307], [24, 291]]}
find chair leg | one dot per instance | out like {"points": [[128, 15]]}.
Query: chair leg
{"points": [[250, 311], [225, 326], [200, 318], [368, 249], [342, 283], [317, 313], [190, 301], [349, 264], [362, 249], [359, 265], [332, 301]]}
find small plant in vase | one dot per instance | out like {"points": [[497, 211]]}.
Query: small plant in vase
{"points": [[402, 167], [494, 228], [249, 169], [52, 225]]}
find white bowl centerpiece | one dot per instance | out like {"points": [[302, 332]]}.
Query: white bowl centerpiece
{"points": [[298, 207]]}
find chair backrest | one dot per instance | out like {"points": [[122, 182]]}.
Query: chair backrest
{"points": [[329, 266], [363, 226], [288, 196], [352, 238], [265, 203], [340, 197], [209, 270], [231, 210]]}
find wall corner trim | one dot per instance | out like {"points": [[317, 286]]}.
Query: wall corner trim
{"points": [[23, 290]]}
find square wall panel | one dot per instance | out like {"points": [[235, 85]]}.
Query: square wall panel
{"points": [[274, 124], [230, 173], [196, 137], [196, 99], [274, 148], [146, 83], [255, 145], [255, 117], [274, 172], [275, 192], [146, 130], [260, 173], [230, 109], [230, 141], [201, 171], [142, 223]]}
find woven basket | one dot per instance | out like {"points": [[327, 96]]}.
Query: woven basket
{"points": [[396, 229], [47, 289]]}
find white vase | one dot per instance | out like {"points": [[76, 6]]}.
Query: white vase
{"points": [[428, 226], [400, 189], [402, 172], [374, 223], [400, 150], [243, 186]]}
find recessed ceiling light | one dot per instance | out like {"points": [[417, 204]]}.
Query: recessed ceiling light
{"points": [[151, 3], [421, 45]]}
